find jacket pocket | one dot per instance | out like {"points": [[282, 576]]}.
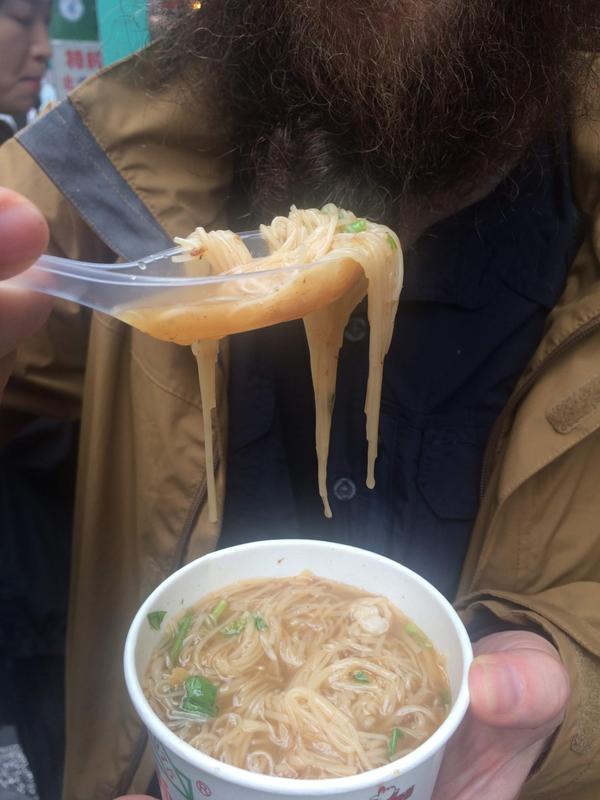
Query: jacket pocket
{"points": [[449, 470]]}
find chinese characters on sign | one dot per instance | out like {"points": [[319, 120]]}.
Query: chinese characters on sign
{"points": [[73, 62]]}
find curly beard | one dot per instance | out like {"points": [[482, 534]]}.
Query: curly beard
{"points": [[373, 103]]}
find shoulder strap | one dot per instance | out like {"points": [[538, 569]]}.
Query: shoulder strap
{"points": [[69, 154]]}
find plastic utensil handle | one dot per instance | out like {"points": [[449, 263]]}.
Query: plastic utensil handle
{"points": [[38, 279]]}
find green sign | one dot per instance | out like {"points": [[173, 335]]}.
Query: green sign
{"points": [[75, 20]]}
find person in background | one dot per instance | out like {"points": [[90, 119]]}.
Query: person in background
{"points": [[24, 55]]}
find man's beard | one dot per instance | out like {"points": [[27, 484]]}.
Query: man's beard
{"points": [[373, 104]]}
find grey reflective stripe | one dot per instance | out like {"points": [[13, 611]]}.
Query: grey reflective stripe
{"points": [[68, 153]]}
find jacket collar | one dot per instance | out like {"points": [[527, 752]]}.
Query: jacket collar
{"points": [[173, 153]]}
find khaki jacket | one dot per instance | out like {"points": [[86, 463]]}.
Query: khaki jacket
{"points": [[534, 558]]}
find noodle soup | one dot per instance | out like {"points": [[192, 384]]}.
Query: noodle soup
{"points": [[365, 586], [298, 677]]}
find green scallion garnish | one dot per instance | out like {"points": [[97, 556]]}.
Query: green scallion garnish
{"points": [[155, 619], [391, 241], [200, 696], [259, 623], [397, 734], [361, 677], [180, 635], [445, 697], [417, 634], [235, 628], [358, 226], [217, 611]]}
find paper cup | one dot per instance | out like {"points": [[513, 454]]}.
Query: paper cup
{"points": [[186, 773]]}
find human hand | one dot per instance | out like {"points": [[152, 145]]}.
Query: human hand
{"points": [[23, 236], [519, 689]]}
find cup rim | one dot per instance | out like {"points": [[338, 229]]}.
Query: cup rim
{"points": [[269, 784]]}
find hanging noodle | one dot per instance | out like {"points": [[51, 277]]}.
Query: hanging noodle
{"points": [[313, 679], [353, 257]]}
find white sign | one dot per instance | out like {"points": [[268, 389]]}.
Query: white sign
{"points": [[72, 63]]}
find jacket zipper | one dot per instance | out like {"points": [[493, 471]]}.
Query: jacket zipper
{"points": [[492, 448]]}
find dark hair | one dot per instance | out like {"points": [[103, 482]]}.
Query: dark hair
{"points": [[298, 141]]}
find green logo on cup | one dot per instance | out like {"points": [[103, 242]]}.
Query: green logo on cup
{"points": [[168, 770]]}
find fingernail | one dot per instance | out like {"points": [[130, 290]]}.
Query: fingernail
{"points": [[499, 684]]}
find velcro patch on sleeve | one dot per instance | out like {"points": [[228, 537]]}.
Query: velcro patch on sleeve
{"points": [[568, 412]]}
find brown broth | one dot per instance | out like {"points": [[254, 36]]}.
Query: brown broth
{"points": [[313, 678]]}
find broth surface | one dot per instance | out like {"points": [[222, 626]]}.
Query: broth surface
{"points": [[298, 677]]}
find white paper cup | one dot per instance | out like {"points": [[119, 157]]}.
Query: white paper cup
{"points": [[186, 773]]}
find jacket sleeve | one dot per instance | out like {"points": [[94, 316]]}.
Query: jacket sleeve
{"points": [[48, 376], [570, 768], [566, 610]]}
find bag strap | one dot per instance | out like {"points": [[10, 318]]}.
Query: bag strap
{"points": [[66, 150]]}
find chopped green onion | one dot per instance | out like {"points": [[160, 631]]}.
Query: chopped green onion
{"points": [[361, 677], [235, 628], [358, 226], [397, 734], [200, 696], [391, 241], [155, 619], [445, 697], [418, 635], [217, 611], [180, 635], [259, 623]]}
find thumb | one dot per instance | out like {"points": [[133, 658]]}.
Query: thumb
{"points": [[23, 236], [524, 686], [23, 233], [519, 690]]}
